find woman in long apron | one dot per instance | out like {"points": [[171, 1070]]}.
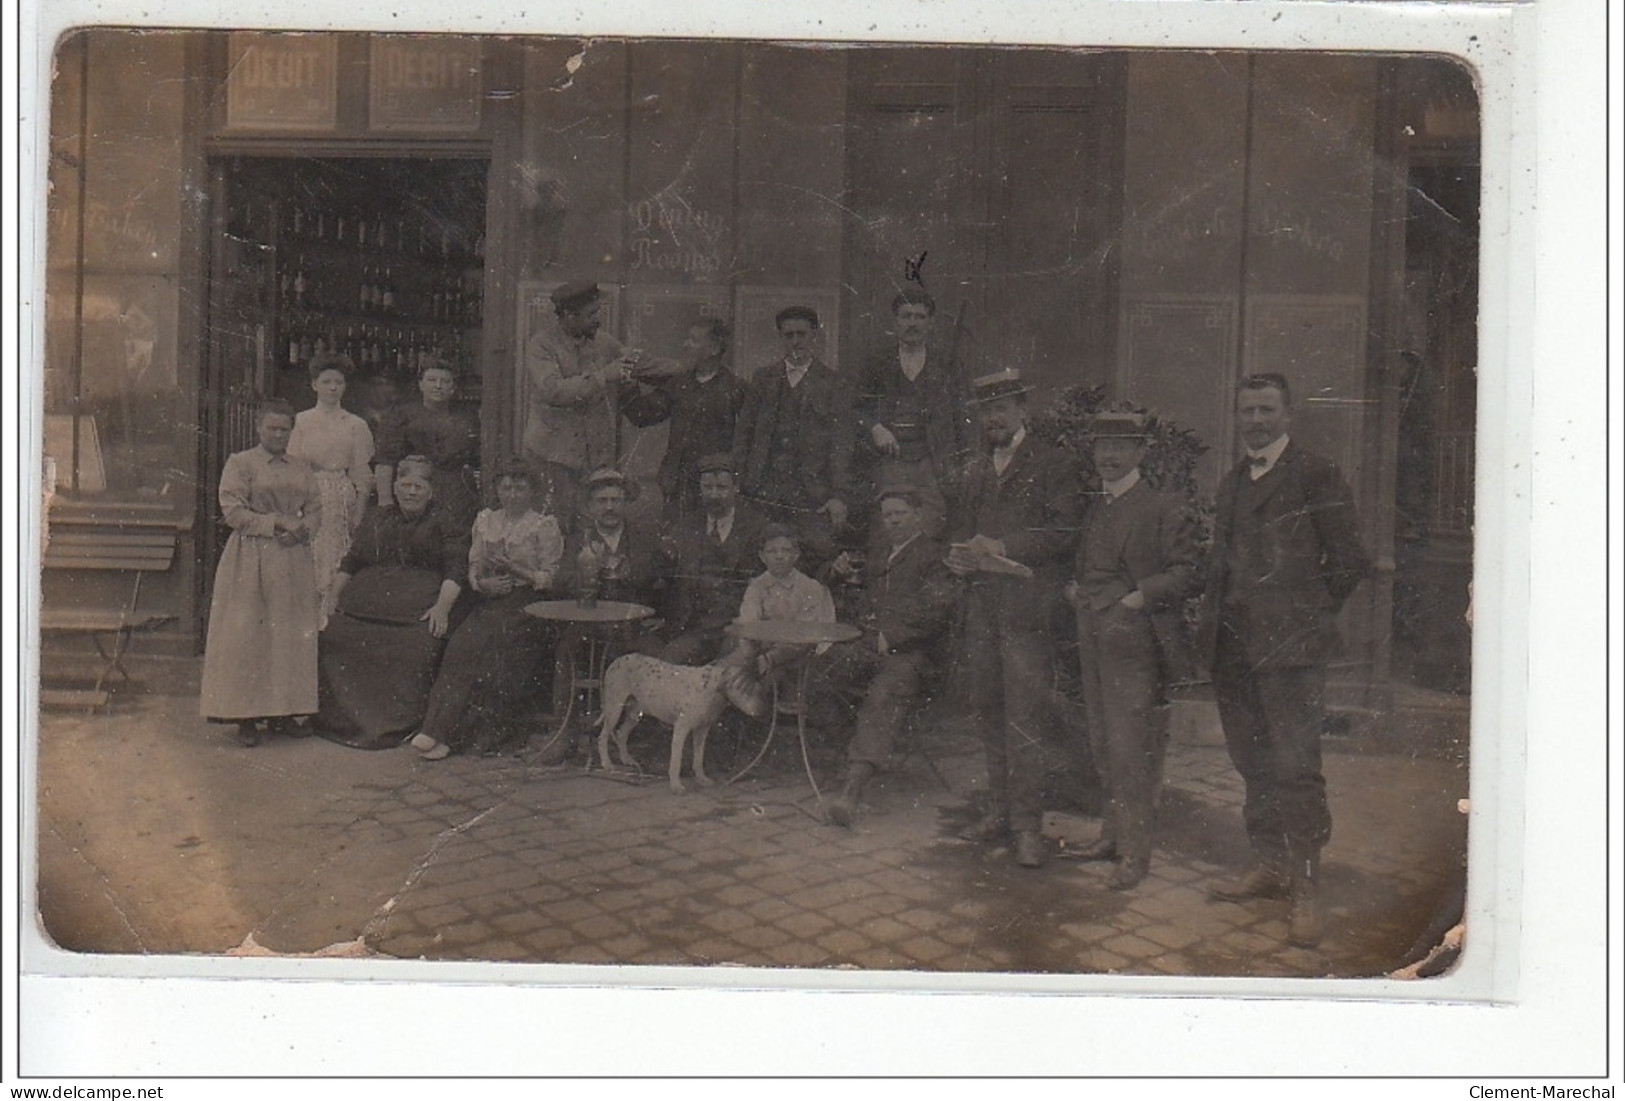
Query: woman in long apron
{"points": [[259, 663]]}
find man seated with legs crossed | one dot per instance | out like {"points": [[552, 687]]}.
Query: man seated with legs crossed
{"points": [[907, 605]]}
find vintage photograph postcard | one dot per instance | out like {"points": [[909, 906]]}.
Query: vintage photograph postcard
{"points": [[624, 508]]}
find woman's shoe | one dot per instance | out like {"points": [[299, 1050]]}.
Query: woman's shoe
{"points": [[429, 749]]}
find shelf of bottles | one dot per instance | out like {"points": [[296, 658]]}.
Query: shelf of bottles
{"points": [[387, 290]]}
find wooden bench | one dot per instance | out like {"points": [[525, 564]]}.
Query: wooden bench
{"points": [[111, 628]]}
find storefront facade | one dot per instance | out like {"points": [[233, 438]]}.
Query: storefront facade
{"points": [[1155, 222]]}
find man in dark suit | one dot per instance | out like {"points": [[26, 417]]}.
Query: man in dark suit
{"points": [[907, 604], [909, 413], [793, 441], [1136, 564], [1286, 555], [702, 404], [712, 556], [1015, 532]]}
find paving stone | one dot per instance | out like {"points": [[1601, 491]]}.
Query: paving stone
{"points": [[571, 910], [713, 951], [844, 942], [771, 909], [437, 917], [727, 921], [601, 926], [827, 895], [797, 953], [740, 894], [885, 929], [762, 936], [924, 919], [1132, 947], [882, 959], [851, 913], [927, 950], [806, 924], [522, 921], [1169, 936], [584, 953]]}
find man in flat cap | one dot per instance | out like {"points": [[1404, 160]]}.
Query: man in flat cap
{"points": [[793, 443], [1014, 536], [620, 556], [1286, 556], [574, 376], [1136, 564], [712, 556]]}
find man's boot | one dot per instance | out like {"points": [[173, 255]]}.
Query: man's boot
{"points": [[1266, 879], [842, 809], [993, 827], [1304, 919]]}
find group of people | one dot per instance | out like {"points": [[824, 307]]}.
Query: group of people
{"points": [[923, 511]]}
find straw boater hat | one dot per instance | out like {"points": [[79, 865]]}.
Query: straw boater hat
{"points": [[1118, 424], [1000, 384], [574, 296]]}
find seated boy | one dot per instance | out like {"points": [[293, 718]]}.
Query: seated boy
{"points": [[781, 593]]}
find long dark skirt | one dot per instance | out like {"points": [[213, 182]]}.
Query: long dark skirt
{"points": [[497, 666], [378, 659]]}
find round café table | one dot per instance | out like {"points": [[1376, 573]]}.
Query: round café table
{"points": [[783, 632], [594, 625]]}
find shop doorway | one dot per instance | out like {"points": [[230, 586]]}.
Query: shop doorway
{"points": [[379, 258]]}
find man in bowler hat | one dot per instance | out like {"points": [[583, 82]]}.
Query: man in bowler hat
{"points": [[1136, 564]]}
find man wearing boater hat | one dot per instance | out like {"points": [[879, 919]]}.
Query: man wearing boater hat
{"points": [[1136, 564], [575, 375], [1014, 536]]}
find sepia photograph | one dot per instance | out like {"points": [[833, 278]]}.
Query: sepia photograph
{"points": [[906, 513]]}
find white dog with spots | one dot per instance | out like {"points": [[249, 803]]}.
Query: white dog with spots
{"points": [[689, 698]]}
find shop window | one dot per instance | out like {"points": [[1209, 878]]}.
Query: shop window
{"points": [[119, 417]]}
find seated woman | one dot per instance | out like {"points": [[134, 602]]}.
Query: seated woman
{"points": [[396, 601], [499, 659]]}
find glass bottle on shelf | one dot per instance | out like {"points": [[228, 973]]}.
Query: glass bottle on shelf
{"points": [[387, 291]]}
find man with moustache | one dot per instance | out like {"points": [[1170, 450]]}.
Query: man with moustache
{"points": [[702, 405], [1136, 564], [1015, 532], [575, 376], [1286, 556], [793, 441], [713, 556], [908, 411]]}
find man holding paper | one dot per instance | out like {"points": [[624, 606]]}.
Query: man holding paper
{"points": [[1014, 536]]}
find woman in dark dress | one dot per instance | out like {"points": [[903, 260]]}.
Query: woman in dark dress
{"points": [[397, 591], [447, 436], [499, 659]]}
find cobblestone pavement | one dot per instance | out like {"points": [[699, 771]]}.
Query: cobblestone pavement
{"points": [[502, 859]]}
